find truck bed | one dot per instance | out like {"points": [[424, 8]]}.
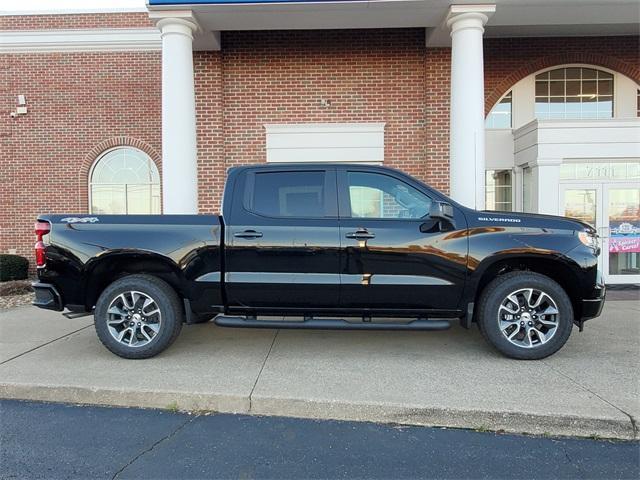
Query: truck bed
{"points": [[84, 251]]}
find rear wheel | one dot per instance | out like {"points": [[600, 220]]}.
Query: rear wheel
{"points": [[138, 316], [525, 315]]}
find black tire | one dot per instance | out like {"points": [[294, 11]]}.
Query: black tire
{"points": [[498, 290], [168, 304]]}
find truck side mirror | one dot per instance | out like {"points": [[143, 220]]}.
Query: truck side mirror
{"points": [[442, 212]]}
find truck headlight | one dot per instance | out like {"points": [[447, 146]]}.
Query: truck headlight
{"points": [[589, 239]]}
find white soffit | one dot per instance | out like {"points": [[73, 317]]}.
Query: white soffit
{"points": [[80, 40], [583, 16], [325, 142], [560, 18]]}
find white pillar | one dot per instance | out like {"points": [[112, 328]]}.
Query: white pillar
{"points": [[466, 139], [516, 188], [179, 147]]}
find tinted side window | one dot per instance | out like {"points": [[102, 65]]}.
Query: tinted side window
{"points": [[288, 194], [374, 195]]}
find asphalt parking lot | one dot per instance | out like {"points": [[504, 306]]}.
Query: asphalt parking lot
{"points": [[62, 441]]}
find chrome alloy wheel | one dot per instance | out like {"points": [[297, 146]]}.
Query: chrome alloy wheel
{"points": [[133, 319], [528, 317]]}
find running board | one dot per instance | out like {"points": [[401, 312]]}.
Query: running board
{"points": [[329, 324], [72, 315]]}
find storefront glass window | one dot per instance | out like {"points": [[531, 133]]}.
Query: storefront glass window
{"points": [[500, 114], [624, 230], [574, 93], [125, 181], [499, 190]]}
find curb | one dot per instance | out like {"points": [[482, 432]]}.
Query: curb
{"points": [[498, 421], [511, 422]]}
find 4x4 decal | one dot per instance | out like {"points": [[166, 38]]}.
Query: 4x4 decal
{"points": [[79, 219]]}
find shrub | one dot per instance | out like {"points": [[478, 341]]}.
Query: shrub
{"points": [[13, 267]]}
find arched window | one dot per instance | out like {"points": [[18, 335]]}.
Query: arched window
{"points": [[500, 114], [574, 93], [124, 180]]}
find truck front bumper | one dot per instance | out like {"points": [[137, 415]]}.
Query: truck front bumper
{"points": [[47, 296], [592, 307]]}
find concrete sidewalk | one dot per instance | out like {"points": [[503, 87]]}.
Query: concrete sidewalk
{"points": [[452, 378]]}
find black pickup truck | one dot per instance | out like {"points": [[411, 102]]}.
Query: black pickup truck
{"points": [[323, 246]]}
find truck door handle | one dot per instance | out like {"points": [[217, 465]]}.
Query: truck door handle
{"points": [[361, 234], [248, 234]]}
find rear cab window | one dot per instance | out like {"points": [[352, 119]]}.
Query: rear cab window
{"points": [[290, 194]]}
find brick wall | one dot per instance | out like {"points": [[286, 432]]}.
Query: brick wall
{"points": [[82, 103], [70, 21], [281, 77], [75, 101], [508, 60]]}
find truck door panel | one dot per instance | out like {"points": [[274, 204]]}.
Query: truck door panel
{"points": [[282, 241], [394, 256]]}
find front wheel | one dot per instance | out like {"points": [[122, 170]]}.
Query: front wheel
{"points": [[525, 315], [138, 316]]}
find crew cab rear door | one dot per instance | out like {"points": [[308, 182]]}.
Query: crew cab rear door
{"points": [[282, 241], [395, 257]]}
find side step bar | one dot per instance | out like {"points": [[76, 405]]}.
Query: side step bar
{"points": [[72, 315], [329, 324]]}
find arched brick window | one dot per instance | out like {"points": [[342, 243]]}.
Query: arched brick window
{"points": [[500, 115], [124, 180], [574, 93]]}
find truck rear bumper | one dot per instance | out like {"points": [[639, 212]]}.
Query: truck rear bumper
{"points": [[47, 297]]}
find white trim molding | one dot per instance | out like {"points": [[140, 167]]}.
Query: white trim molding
{"points": [[325, 142], [80, 40]]}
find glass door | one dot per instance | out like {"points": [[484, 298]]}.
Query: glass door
{"points": [[584, 202], [621, 233]]}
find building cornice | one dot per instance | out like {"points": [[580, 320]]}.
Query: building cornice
{"points": [[80, 40]]}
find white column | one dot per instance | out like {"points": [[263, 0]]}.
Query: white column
{"points": [[466, 139], [179, 147], [516, 189]]}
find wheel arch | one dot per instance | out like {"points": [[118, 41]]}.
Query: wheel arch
{"points": [[560, 269], [107, 268]]}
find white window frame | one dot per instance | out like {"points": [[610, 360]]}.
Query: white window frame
{"points": [[589, 67], [100, 157]]}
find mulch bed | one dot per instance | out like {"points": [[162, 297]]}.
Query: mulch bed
{"points": [[15, 293], [10, 301]]}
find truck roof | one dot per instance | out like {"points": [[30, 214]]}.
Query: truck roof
{"points": [[307, 165]]}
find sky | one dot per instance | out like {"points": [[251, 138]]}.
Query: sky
{"points": [[57, 5]]}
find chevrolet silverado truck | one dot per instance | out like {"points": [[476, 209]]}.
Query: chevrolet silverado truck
{"points": [[329, 246]]}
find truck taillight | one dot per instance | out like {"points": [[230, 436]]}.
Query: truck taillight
{"points": [[40, 256], [41, 229]]}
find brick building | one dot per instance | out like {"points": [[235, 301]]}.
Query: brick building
{"points": [[507, 105]]}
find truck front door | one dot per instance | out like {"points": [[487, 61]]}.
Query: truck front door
{"points": [[394, 256], [282, 240]]}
